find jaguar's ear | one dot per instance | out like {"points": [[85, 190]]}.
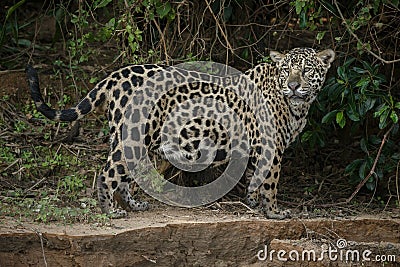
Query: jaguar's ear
{"points": [[276, 56], [327, 56]]}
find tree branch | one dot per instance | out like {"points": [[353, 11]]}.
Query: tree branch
{"points": [[358, 39], [372, 171]]}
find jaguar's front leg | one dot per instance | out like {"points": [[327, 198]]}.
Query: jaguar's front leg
{"points": [[268, 191], [263, 180], [253, 179]]}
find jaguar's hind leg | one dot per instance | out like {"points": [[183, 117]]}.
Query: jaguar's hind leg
{"points": [[105, 194], [126, 200], [113, 189]]}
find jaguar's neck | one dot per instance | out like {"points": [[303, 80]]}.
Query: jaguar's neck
{"points": [[263, 75]]}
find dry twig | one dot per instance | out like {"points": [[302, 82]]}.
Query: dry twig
{"points": [[372, 171], [358, 39]]}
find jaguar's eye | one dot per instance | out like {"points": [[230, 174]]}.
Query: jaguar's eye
{"points": [[306, 70], [285, 69]]}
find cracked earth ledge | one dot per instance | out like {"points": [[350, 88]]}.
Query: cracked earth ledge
{"points": [[199, 237]]}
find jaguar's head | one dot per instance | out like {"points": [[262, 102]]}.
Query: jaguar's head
{"points": [[301, 73]]}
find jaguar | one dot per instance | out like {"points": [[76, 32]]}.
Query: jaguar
{"points": [[283, 91]]}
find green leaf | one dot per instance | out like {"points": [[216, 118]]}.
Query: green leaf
{"points": [[163, 9], [359, 70], [353, 114], [369, 67], [383, 119], [299, 6], [306, 136], [380, 110], [171, 15], [341, 71], [394, 116], [395, 3], [329, 116], [349, 62], [340, 119], [397, 105], [303, 19], [93, 80], [328, 6], [362, 46], [370, 185], [101, 3], [320, 35], [111, 23], [13, 8], [24, 42], [335, 90], [363, 145], [396, 156], [362, 170], [363, 82], [373, 139], [367, 105], [228, 13], [353, 166], [359, 46]]}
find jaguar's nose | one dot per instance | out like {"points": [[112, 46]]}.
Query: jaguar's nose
{"points": [[293, 86]]}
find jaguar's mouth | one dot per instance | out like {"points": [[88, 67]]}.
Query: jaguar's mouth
{"points": [[296, 98]]}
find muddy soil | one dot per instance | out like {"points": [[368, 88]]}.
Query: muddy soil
{"points": [[168, 236]]}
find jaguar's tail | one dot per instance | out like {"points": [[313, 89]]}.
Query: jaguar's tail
{"points": [[94, 99]]}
